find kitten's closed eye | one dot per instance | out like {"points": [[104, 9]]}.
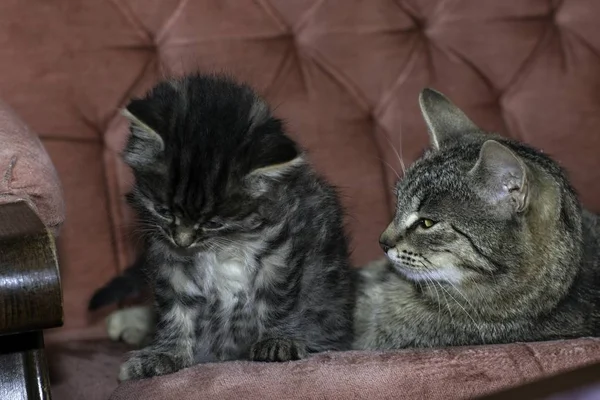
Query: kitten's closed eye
{"points": [[163, 212]]}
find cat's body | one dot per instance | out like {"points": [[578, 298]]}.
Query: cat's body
{"points": [[244, 241], [489, 244]]}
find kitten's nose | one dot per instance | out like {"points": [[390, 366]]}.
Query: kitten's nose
{"points": [[183, 237]]}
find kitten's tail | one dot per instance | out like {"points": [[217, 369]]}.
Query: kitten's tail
{"points": [[129, 284]]}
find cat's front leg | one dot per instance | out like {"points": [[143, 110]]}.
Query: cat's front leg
{"points": [[278, 349], [172, 350]]}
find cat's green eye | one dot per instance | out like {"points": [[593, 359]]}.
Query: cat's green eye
{"points": [[426, 223]]}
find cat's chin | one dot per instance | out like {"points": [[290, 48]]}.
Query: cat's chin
{"points": [[413, 275]]}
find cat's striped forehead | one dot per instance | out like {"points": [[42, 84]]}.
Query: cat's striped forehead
{"points": [[435, 176]]}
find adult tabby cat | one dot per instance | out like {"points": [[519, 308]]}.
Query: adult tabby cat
{"points": [[243, 240], [489, 244]]}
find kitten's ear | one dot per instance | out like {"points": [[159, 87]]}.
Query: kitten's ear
{"points": [[260, 113], [274, 156], [273, 153], [145, 144], [500, 176], [446, 123]]}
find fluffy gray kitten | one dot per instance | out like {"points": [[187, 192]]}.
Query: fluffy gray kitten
{"points": [[244, 242], [489, 244]]}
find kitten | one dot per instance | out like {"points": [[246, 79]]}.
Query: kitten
{"points": [[244, 242], [489, 244]]}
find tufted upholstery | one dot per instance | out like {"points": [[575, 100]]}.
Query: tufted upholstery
{"points": [[345, 74]]}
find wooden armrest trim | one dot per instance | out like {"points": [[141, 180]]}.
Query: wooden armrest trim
{"points": [[30, 291]]}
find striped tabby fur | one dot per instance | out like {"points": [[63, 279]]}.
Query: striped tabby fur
{"points": [[244, 243]]}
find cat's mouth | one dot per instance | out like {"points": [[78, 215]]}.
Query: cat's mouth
{"points": [[193, 248]]}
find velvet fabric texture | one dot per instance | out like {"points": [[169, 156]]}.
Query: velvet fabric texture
{"points": [[454, 373], [345, 75], [457, 373]]}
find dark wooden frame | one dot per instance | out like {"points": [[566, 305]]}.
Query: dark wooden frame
{"points": [[30, 301]]}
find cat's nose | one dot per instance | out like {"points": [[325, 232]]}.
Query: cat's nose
{"points": [[385, 244], [389, 238], [183, 238]]}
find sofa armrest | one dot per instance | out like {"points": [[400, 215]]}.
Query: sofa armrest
{"points": [[30, 291], [26, 171]]}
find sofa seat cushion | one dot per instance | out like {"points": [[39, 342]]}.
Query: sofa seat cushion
{"points": [[84, 369], [452, 373]]}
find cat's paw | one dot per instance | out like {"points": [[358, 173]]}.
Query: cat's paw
{"points": [[147, 363], [134, 325], [277, 350]]}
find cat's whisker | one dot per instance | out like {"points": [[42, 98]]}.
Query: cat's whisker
{"points": [[388, 139], [482, 297], [422, 261], [453, 298], [463, 296], [445, 300], [389, 166], [401, 159], [437, 295], [465, 310]]}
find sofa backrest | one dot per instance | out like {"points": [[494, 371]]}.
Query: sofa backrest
{"points": [[344, 74]]}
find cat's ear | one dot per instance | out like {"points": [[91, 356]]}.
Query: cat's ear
{"points": [[145, 144], [500, 176], [275, 156], [446, 123]]}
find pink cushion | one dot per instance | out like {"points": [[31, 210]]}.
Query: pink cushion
{"points": [[26, 172], [443, 374]]}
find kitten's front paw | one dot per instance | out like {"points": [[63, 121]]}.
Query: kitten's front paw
{"points": [[146, 364], [277, 350]]}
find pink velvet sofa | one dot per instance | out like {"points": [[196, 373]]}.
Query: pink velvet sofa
{"points": [[345, 75]]}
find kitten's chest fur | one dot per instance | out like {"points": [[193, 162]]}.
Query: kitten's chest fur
{"points": [[220, 292]]}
